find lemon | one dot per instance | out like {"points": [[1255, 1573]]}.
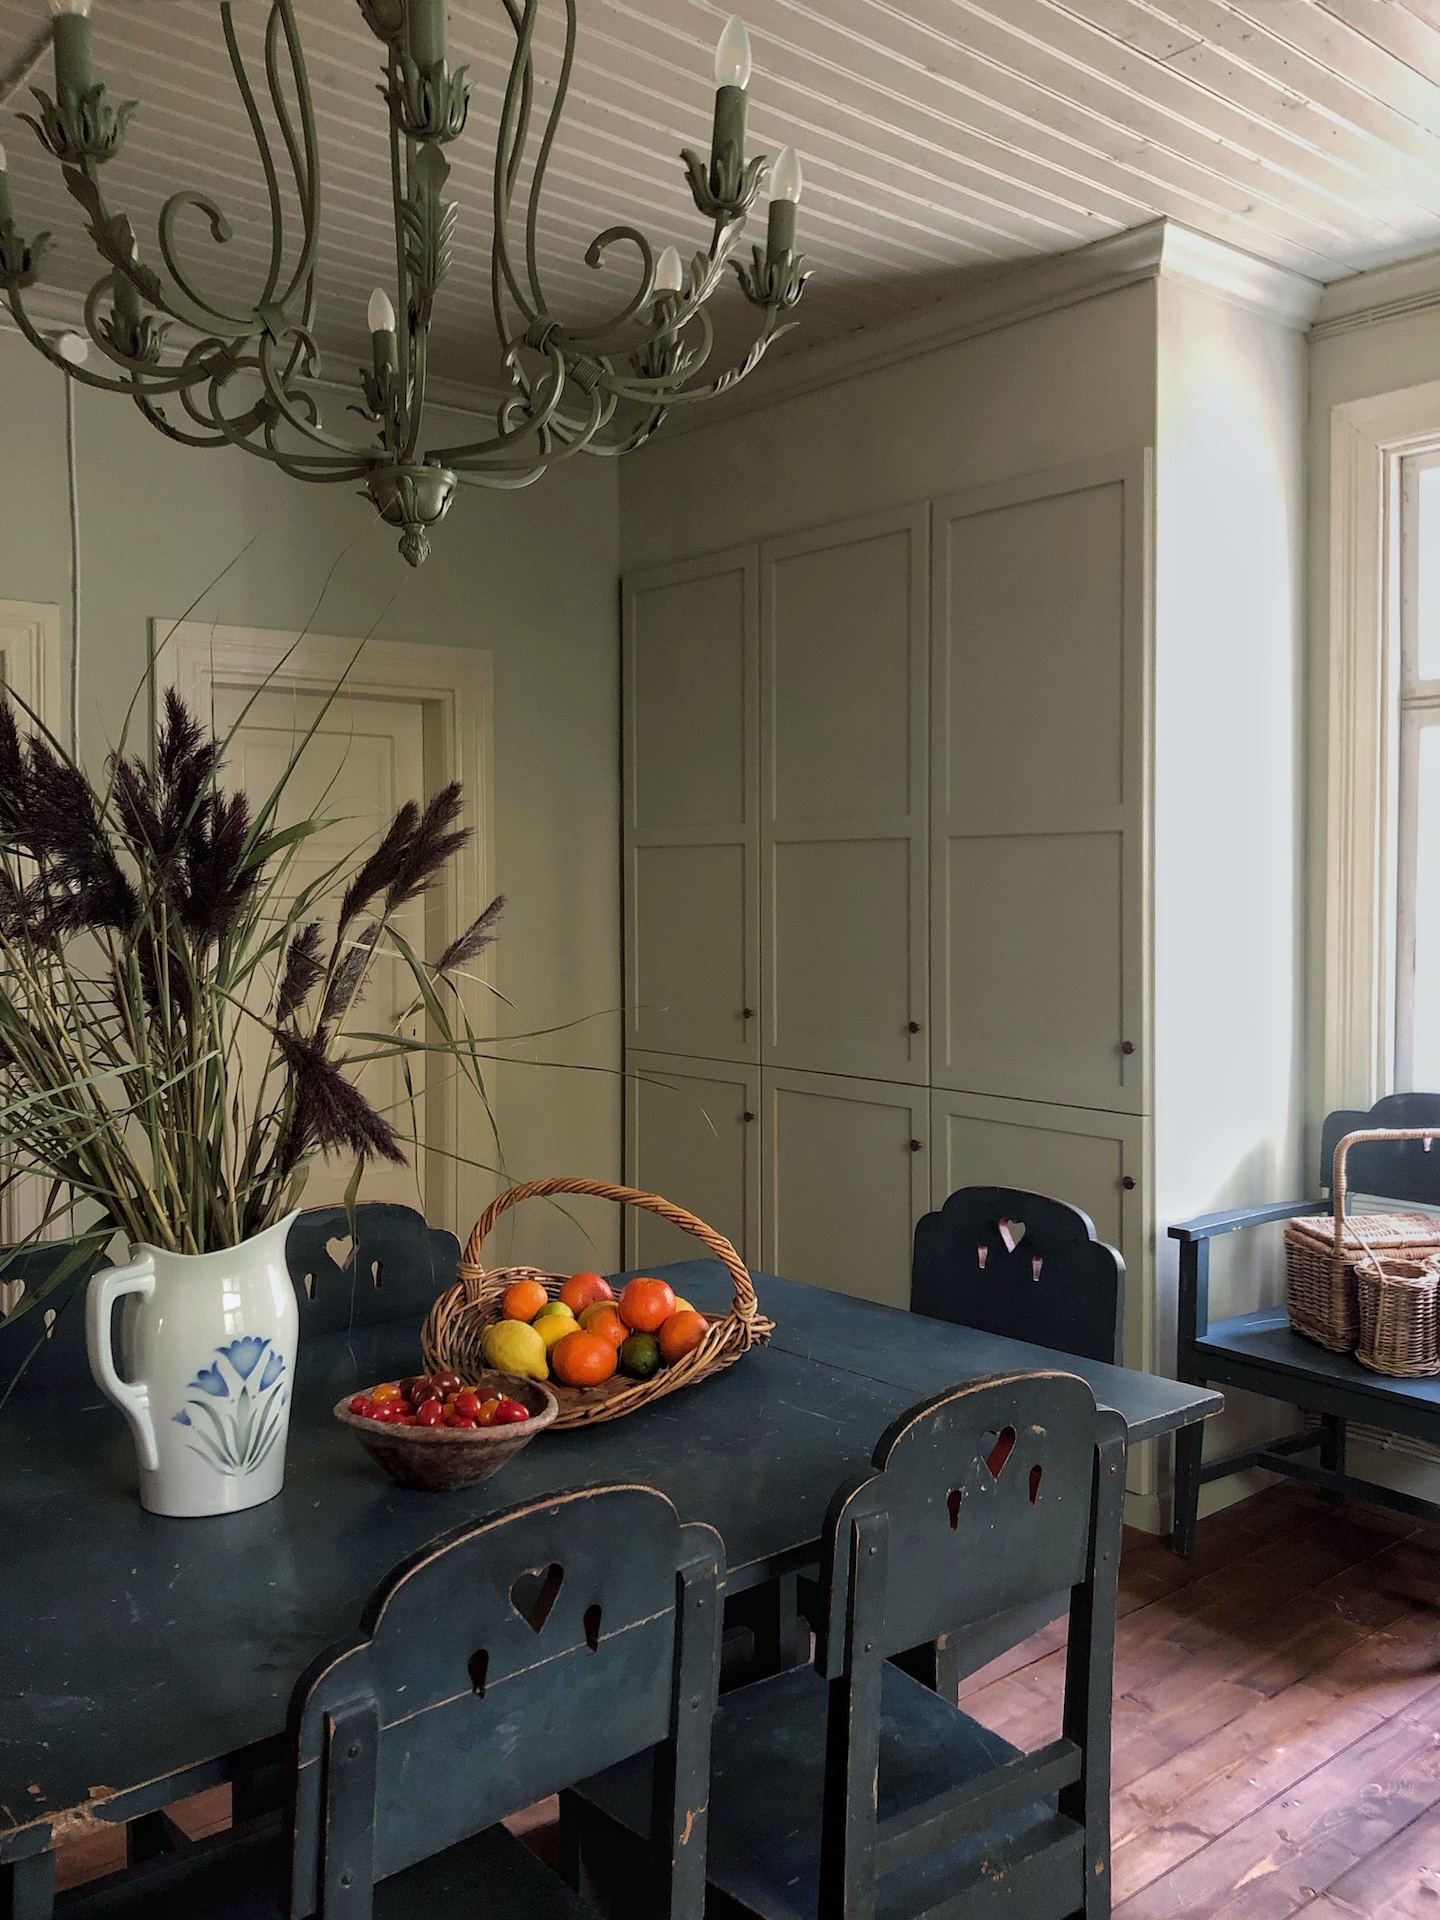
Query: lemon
{"points": [[553, 1327], [683, 1306], [512, 1347]]}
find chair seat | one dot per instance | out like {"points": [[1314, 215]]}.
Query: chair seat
{"points": [[767, 1790], [492, 1872]]}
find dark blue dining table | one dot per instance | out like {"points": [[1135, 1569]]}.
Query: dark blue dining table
{"points": [[144, 1658]]}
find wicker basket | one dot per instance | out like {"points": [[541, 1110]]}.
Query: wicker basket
{"points": [[458, 1318], [1321, 1254], [1398, 1316]]}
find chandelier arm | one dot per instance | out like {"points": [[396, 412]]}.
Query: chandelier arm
{"points": [[38, 341], [397, 199], [262, 147], [542, 159], [592, 340], [527, 100], [139, 372], [533, 422], [276, 389], [306, 166], [236, 322], [505, 145], [157, 419], [416, 409]]}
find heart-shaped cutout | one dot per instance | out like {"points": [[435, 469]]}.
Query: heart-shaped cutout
{"points": [[1002, 1445], [1012, 1232], [534, 1594], [12, 1292], [341, 1250]]}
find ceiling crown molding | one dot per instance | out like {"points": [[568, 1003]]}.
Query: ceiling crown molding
{"points": [[1384, 293], [1026, 290]]}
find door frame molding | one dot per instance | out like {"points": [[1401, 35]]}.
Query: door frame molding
{"points": [[455, 686]]}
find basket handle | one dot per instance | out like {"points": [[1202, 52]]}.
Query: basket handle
{"points": [[473, 1273], [1337, 1179]]}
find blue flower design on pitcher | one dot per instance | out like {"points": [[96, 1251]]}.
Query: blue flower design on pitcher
{"points": [[240, 1436]]}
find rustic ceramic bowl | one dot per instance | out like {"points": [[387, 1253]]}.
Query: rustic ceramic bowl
{"points": [[440, 1459]]}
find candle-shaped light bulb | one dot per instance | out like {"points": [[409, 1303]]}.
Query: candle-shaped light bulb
{"points": [[669, 273], [786, 179], [380, 315], [732, 54], [5, 214], [82, 7]]}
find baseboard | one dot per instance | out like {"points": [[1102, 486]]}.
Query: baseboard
{"points": [[1406, 1466], [1148, 1512], [1216, 1495]]}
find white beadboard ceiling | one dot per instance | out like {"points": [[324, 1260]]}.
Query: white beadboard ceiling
{"points": [[941, 138]]}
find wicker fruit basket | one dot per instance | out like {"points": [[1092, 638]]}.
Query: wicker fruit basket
{"points": [[458, 1319], [1398, 1316], [1323, 1253]]}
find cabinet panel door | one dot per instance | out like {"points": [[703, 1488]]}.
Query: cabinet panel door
{"points": [[693, 1136], [1038, 787], [691, 756], [1069, 1153], [844, 649], [845, 1176]]}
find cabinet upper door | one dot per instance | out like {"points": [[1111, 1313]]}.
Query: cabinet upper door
{"points": [[692, 1136], [844, 672], [845, 1168], [1038, 770], [691, 703]]}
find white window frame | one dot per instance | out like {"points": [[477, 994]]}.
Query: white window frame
{"points": [[1369, 439], [1419, 708]]}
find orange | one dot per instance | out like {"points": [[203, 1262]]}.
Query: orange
{"points": [[583, 1360], [524, 1300], [604, 1320], [681, 1334], [646, 1305], [582, 1290]]}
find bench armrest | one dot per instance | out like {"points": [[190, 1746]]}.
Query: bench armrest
{"points": [[1207, 1226]]}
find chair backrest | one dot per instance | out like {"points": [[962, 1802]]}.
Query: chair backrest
{"points": [[1022, 1265], [983, 1497], [391, 1268], [44, 1347], [1390, 1169], [506, 1660]]}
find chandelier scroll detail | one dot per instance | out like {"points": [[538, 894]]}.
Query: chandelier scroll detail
{"points": [[246, 375]]}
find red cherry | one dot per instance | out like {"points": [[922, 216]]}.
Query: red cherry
{"points": [[427, 1390], [509, 1412], [430, 1413], [467, 1403], [471, 1424], [360, 1404], [447, 1383]]}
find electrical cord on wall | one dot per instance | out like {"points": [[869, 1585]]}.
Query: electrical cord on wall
{"points": [[73, 348]]}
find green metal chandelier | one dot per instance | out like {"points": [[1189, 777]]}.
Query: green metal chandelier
{"points": [[246, 378]]}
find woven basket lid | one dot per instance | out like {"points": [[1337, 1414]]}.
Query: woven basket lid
{"points": [[1379, 1229]]}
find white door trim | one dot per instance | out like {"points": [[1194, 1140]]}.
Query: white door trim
{"points": [[455, 686], [1367, 440]]}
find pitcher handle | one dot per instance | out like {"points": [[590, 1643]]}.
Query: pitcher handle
{"points": [[131, 1396]]}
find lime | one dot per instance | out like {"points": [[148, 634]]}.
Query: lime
{"points": [[640, 1356], [551, 1307], [512, 1347]]}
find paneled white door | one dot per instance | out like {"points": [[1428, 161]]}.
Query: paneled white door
{"points": [[364, 760]]}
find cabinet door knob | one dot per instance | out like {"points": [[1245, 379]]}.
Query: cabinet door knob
{"points": [[915, 1146], [1128, 1184], [1127, 1046], [913, 1027], [747, 1115], [747, 1013]]}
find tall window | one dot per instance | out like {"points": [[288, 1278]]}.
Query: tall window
{"points": [[1417, 874]]}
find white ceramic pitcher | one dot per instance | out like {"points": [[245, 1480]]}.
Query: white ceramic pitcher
{"points": [[207, 1344]]}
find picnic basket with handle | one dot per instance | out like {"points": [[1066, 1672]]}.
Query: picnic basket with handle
{"points": [[1397, 1300], [458, 1319], [1322, 1253]]}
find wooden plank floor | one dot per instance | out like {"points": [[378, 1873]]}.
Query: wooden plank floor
{"points": [[1277, 1720], [1277, 1716]]}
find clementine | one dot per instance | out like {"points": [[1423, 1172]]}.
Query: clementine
{"points": [[582, 1290], [647, 1304], [524, 1300], [583, 1360], [603, 1319], [681, 1334]]}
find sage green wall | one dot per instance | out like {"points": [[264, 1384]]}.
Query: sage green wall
{"points": [[529, 575]]}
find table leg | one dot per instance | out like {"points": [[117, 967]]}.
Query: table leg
{"points": [[27, 1888], [1188, 1443], [1332, 1446]]}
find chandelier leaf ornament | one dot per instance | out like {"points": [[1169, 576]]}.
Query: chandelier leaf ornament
{"points": [[245, 375]]}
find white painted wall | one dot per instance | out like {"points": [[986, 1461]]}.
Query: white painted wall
{"points": [[1228, 776], [530, 576]]}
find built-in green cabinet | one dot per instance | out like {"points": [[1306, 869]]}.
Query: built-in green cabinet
{"points": [[885, 787]]}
